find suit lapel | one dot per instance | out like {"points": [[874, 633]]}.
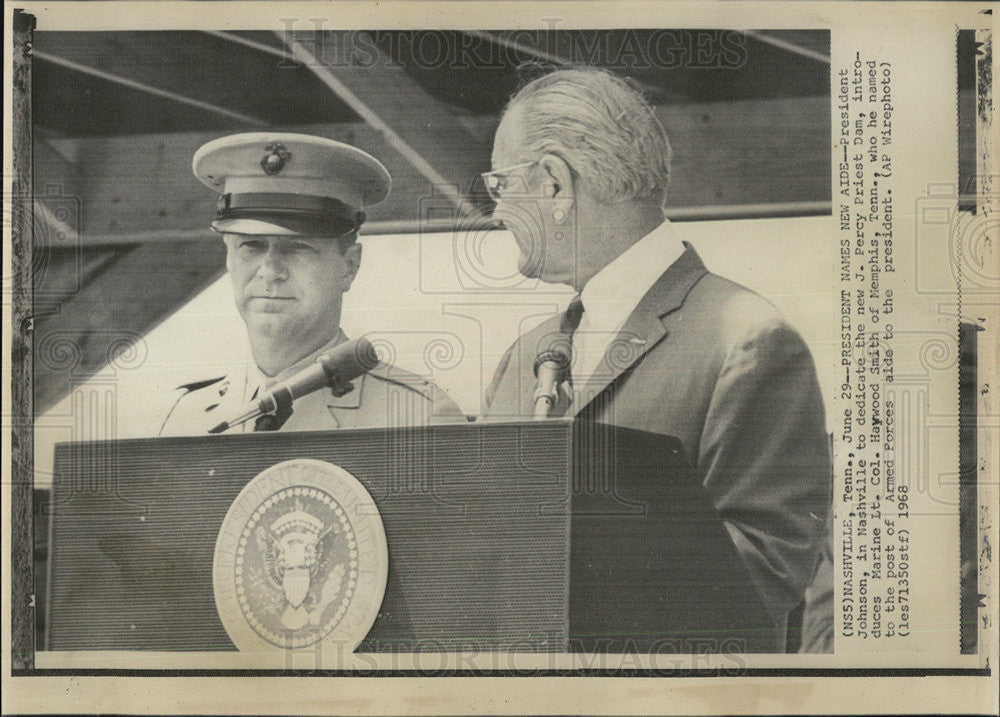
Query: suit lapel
{"points": [[519, 376], [644, 328]]}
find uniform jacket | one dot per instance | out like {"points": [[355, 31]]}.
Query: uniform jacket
{"points": [[715, 365], [386, 397]]}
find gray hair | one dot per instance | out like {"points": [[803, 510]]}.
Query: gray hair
{"points": [[601, 126]]}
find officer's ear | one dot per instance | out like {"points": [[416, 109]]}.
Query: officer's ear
{"points": [[229, 241], [352, 257]]}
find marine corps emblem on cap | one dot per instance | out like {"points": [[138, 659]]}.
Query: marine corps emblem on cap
{"points": [[301, 558], [276, 158]]}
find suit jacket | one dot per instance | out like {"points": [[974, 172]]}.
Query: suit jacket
{"points": [[715, 365], [386, 397]]}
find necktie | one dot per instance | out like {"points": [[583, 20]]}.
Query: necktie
{"points": [[568, 325], [571, 319]]}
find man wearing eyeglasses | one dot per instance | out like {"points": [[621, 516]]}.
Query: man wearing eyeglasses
{"points": [[289, 213], [659, 343]]}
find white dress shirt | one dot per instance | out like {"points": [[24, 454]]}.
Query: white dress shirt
{"points": [[612, 294]]}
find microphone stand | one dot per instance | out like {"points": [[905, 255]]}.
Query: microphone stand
{"points": [[551, 370], [333, 370]]}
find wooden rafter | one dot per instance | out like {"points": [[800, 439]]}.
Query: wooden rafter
{"points": [[150, 89], [788, 46], [421, 129]]}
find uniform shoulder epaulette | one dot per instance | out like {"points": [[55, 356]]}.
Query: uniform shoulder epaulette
{"points": [[197, 385], [404, 378]]}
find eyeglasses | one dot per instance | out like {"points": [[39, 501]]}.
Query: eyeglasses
{"points": [[498, 181]]}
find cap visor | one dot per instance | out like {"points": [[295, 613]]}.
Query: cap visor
{"points": [[330, 227], [253, 226]]}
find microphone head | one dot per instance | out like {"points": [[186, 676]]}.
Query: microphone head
{"points": [[349, 360], [365, 354], [558, 358]]}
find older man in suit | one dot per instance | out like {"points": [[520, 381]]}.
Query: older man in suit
{"points": [[659, 343], [289, 213]]}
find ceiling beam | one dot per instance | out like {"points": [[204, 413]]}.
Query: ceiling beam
{"points": [[54, 226], [75, 339], [143, 87], [139, 188], [711, 212], [394, 139], [435, 133], [551, 57], [355, 90], [787, 46], [58, 174], [415, 124], [518, 46]]}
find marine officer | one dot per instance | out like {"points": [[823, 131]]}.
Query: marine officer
{"points": [[289, 212]]}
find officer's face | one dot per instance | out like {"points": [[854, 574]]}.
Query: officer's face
{"points": [[290, 288], [526, 208]]}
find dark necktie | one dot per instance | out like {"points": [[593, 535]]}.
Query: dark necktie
{"points": [[568, 325], [570, 321]]}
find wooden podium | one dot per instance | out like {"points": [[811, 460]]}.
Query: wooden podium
{"points": [[510, 536]]}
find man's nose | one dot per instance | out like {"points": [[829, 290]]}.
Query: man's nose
{"points": [[518, 211], [273, 266], [504, 209], [496, 214]]}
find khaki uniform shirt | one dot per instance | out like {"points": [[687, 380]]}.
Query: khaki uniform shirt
{"points": [[386, 397]]}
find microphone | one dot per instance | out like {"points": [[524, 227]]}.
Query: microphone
{"points": [[551, 369], [334, 369]]}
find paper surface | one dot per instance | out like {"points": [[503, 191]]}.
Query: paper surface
{"points": [[877, 276]]}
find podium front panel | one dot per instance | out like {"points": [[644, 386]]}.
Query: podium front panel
{"points": [[519, 536], [654, 570], [476, 519]]}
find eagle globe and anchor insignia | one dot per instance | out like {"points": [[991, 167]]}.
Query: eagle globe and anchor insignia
{"points": [[301, 558]]}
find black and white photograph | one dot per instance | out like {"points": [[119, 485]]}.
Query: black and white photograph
{"points": [[419, 341]]}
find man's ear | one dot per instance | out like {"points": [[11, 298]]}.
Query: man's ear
{"points": [[352, 255], [558, 178], [561, 187]]}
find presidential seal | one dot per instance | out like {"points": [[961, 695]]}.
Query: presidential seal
{"points": [[301, 558]]}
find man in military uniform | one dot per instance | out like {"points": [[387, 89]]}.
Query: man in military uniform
{"points": [[289, 213]]}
